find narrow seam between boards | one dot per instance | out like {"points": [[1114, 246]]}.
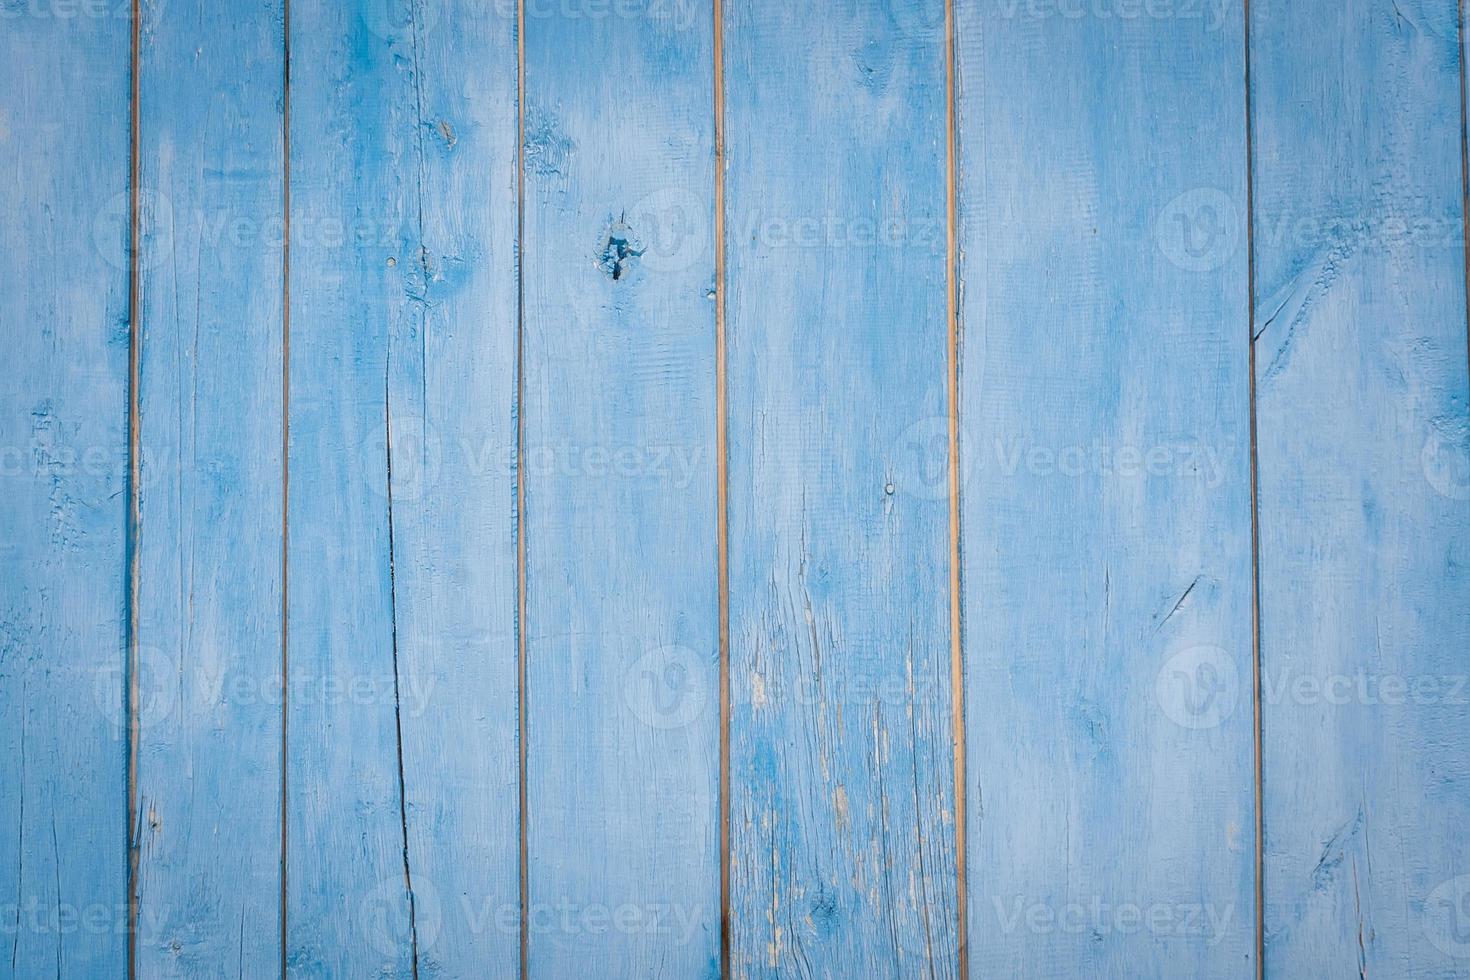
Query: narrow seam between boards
{"points": [[285, 465], [522, 700], [1464, 170], [1258, 762], [131, 691], [722, 493], [957, 680]]}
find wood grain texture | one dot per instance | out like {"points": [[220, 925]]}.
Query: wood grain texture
{"points": [[1106, 496], [210, 500], [619, 450], [449, 266], [63, 478], [1364, 486], [843, 844], [403, 807]]}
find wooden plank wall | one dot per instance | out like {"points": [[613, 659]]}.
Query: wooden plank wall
{"points": [[1364, 482], [64, 523], [862, 487], [842, 812], [345, 839], [209, 582], [622, 602], [401, 526], [1105, 449]]}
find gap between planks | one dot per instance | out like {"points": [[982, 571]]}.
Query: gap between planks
{"points": [[956, 640], [285, 463], [722, 483], [523, 833], [1464, 169], [1258, 783], [132, 695]]}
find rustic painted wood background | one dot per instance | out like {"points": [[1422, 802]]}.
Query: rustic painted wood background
{"points": [[825, 489]]}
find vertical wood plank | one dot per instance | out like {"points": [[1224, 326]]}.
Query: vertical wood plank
{"points": [[621, 533], [843, 842], [454, 530], [403, 814], [210, 501], [1364, 486], [63, 476], [1106, 503]]}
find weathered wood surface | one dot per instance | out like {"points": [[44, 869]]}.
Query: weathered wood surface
{"points": [[622, 708], [208, 781], [1364, 487], [843, 842], [407, 511], [64, 218], [402, 806], [1105, 408]]}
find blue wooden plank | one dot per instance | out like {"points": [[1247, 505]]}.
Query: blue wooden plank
{"points": [[1364, 459], [1106, 503], [63, 477], [620, 469], [843, 822], [403, 816], [209, 571]]}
